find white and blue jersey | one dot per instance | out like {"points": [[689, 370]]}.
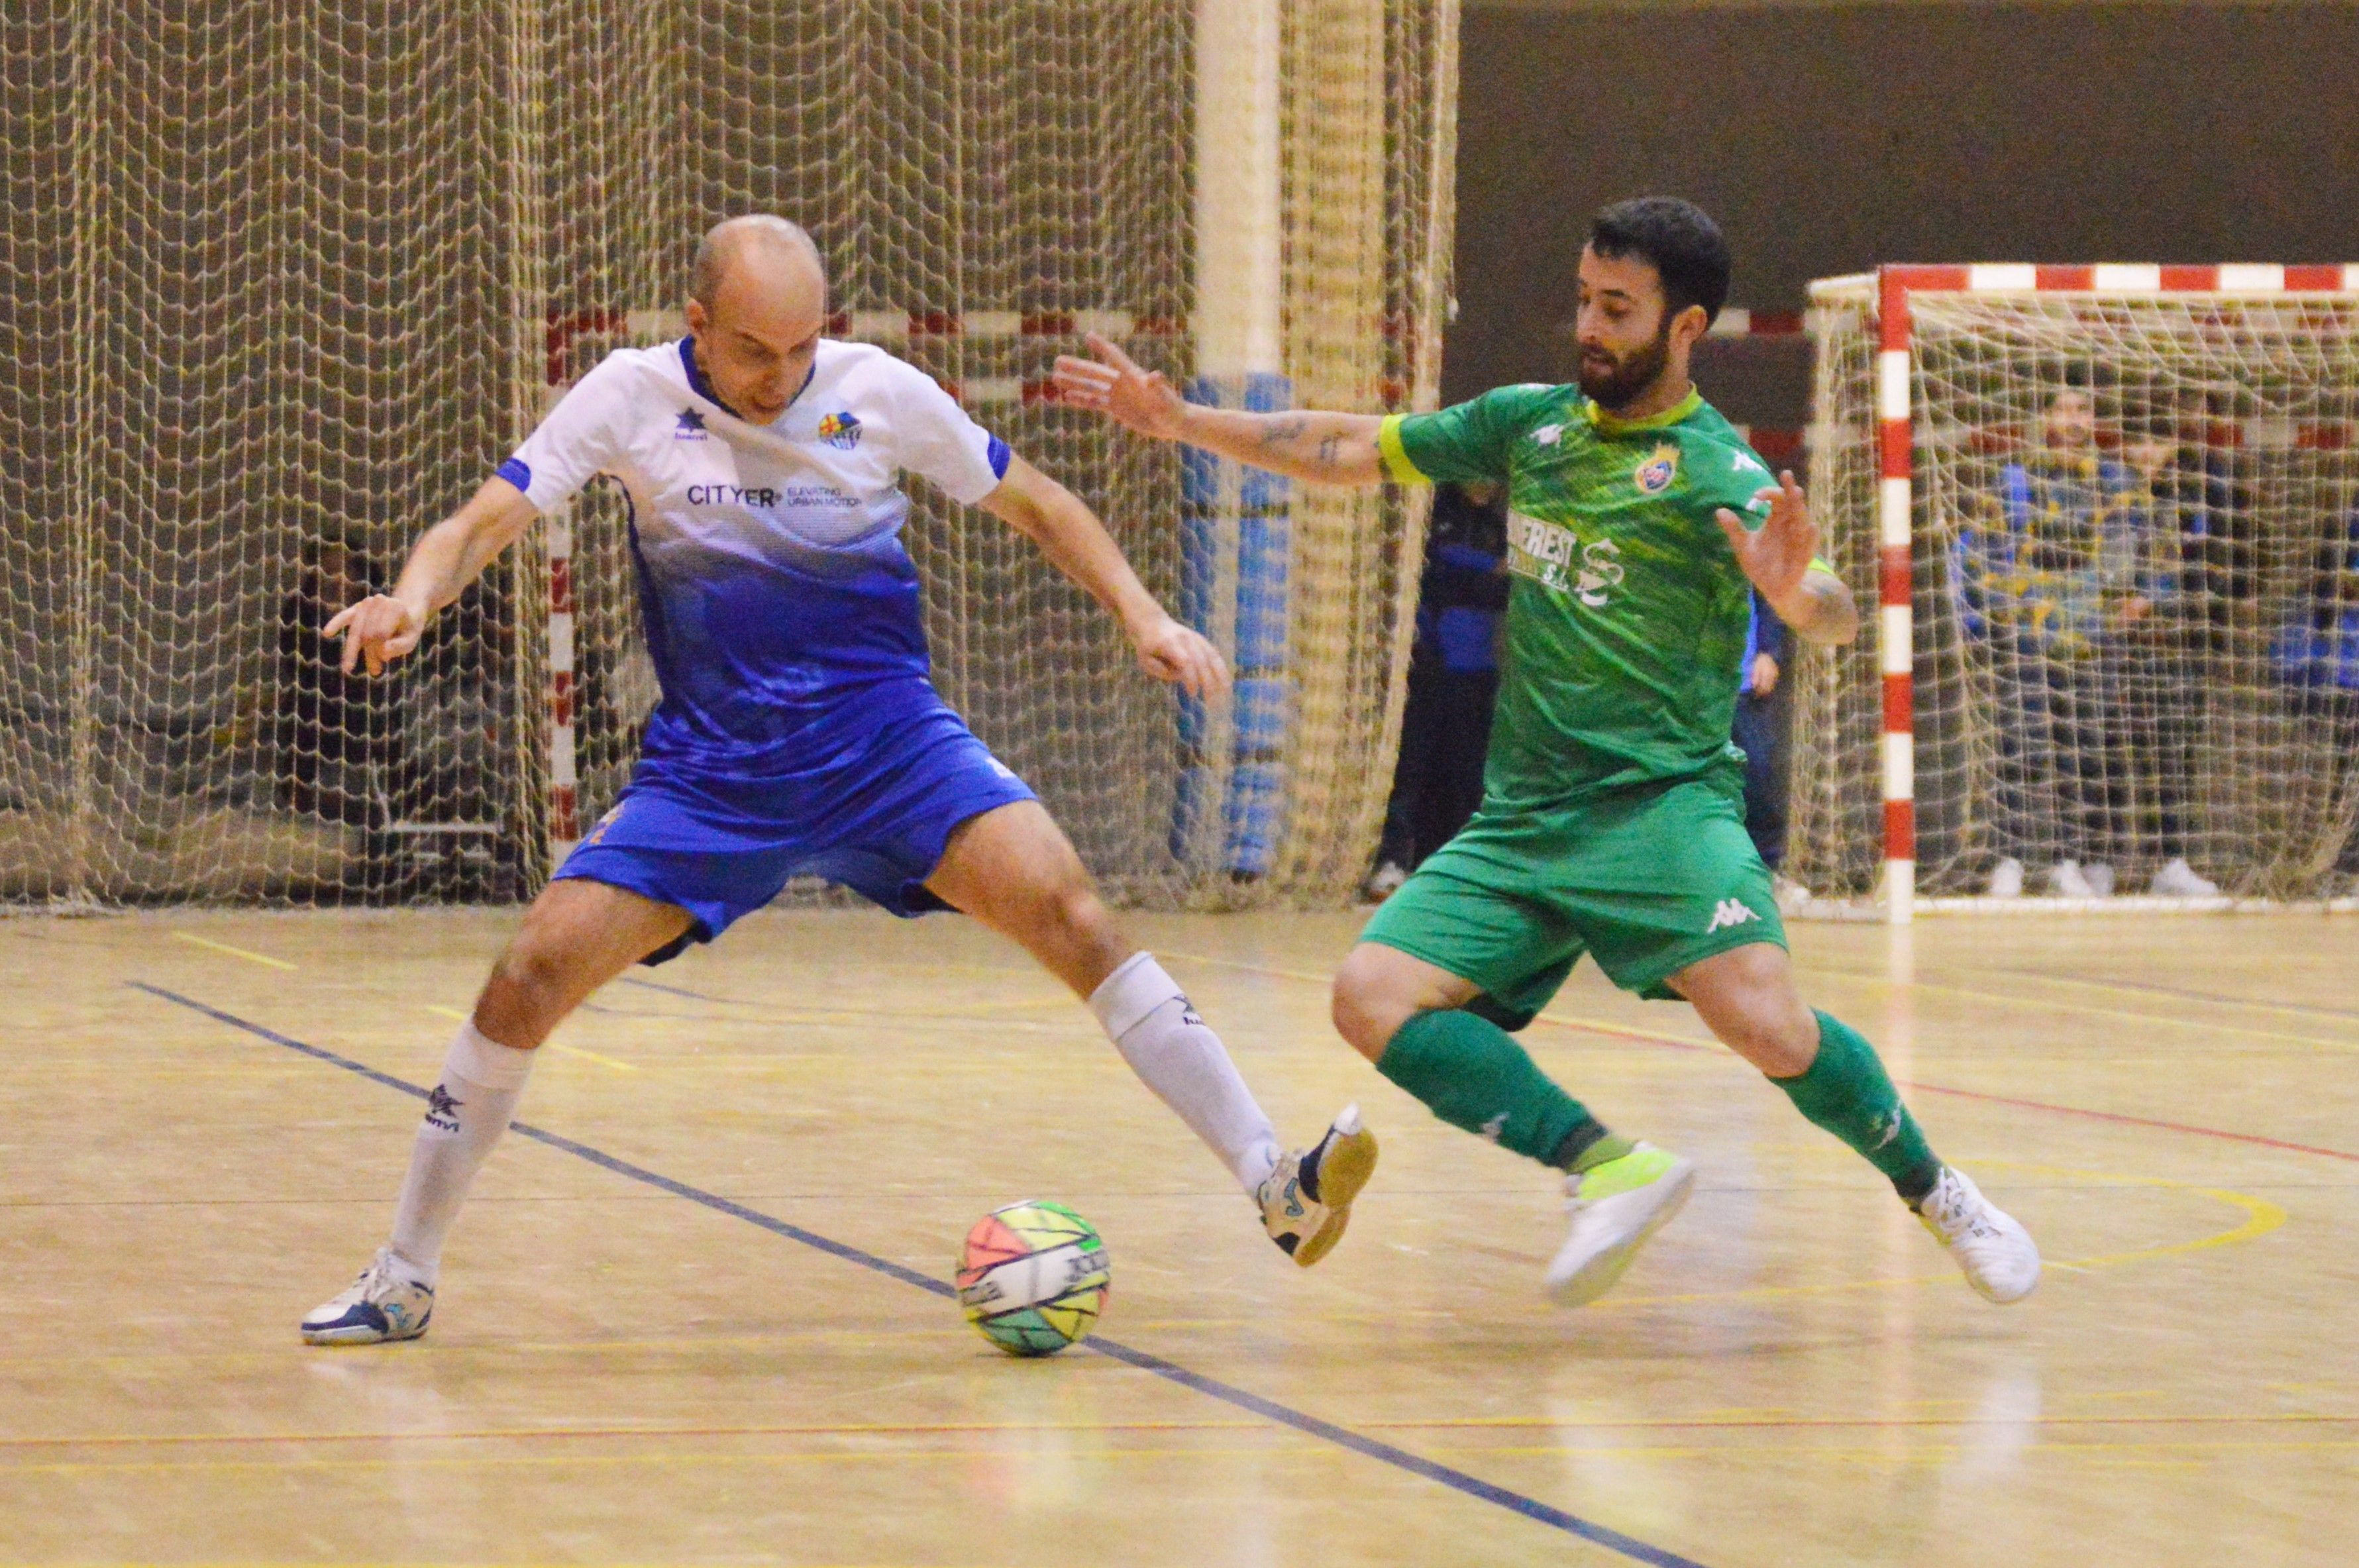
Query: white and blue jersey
{"points": [[798, 731]]}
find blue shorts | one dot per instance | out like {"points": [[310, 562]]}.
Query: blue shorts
{"points": [[874, 817]]}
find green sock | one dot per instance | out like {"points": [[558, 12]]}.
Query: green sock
{"points": [[1847, 1093], [1473, 1075]]}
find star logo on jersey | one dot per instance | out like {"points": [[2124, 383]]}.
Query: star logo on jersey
{"points": [[1654, 474], [1548, 435], [690, 427], [840, 430]]}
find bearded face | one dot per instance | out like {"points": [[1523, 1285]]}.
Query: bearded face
{"points": [[1614, 381]]}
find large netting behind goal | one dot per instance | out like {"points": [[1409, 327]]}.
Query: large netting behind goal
{"points": [[2135, 593], [282, 285]]}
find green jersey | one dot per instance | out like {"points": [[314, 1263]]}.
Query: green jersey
{"points": [[1627, 619]]}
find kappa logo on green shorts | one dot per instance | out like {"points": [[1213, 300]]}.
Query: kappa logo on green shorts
{"points": [[1729, 913]]}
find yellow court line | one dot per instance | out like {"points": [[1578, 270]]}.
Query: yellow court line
{"points": [[195, 941], [2262, 1217], [455, 1015]]}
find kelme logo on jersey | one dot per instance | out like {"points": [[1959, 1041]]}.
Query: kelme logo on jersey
{"points": [[1662, 467], [840, 430]]}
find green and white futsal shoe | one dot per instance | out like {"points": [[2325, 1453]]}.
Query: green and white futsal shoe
{"points": [[1307, 1201], [1615, 1207], [383, 1305], [1997, 1255]]}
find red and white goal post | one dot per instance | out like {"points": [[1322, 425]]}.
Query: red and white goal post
{"points": [[2110, 517]]}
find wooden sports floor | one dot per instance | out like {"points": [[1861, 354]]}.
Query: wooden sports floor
{"points": [[694, 1315]]}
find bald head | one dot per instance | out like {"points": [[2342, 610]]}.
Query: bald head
{"points": [[756, 303], [757, 248]]}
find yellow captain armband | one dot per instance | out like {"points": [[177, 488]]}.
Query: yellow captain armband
{"points": [[1397, 463]]}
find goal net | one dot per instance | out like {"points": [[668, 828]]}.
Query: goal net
{"points": [[2112, 515], [283, 284]]}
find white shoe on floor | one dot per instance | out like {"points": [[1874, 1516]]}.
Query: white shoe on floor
{"points": [[1997, 1254], [2100, 879], [2178, 880], [1791, 896], [1384, 882], [1615, 1207], [2065, 880], [383, 1305]]}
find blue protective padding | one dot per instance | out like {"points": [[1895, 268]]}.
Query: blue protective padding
{"points": [[1264, 545], [1255, 803], [1265, 705], [1259, 490], [1222, 507], [1200, 475], [1267, 392]]}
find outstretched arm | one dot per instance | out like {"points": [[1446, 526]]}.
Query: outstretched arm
{"points": [[1324, 448], [383, 627], [1078, 544], [1780, 557]]}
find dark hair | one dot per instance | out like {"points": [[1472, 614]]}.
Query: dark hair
{"points": [[1680, 241]]}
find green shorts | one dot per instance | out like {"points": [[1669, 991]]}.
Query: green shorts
{"points": [[1649, 880]]}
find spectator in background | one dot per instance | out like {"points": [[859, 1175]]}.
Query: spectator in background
{"points": [[1453, 680], [333, 737], [2315, 656], [1760, 732], [2051, 581], [2173, 654]]}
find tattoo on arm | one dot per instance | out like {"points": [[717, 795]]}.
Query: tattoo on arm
{"points": [[1278, 433], [1327, 446]]}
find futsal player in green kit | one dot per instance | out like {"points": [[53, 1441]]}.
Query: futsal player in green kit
{"points": [[1613, 819]]}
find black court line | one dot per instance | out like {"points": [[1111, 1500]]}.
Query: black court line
{"points": [[1269, 1409]]}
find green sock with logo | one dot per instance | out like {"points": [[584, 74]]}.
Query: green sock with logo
{"points": [[1847, 1091], [1473, 1075]]}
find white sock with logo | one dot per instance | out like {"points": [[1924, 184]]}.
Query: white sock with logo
{"points": [[1147, 1017], [471, 1106]]}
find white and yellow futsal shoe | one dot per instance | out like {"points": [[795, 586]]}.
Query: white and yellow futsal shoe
{"points": [[382, 1305], [1615, 1207], [1997, 1255], [1307, 1201]]}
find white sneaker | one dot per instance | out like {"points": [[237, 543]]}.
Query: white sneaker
{"points": [[1384, 882], [2065, 880], [2178, 880], [1615, 1207], [1307, 1201], [2100, 879], [382, 1305], [1791, 896], [1997, 1255], [2006, 879]]}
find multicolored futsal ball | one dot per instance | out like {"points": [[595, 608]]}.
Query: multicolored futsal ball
{"points": [[1033, 1278]]}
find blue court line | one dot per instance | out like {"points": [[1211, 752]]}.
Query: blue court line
{"points": [[1269, 1409]]}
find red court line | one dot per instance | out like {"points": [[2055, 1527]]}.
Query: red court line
{"points": [[1617, 1031]]}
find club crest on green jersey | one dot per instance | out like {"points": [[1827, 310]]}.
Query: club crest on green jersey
{"points": [[1660, 467]]}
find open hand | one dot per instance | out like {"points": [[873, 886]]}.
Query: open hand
{"points": [[1170, 652], [380, 628], [1114, 384], [1776, 555]]}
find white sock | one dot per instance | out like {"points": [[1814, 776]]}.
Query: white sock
{"points": [[1147, 1017], [482, 1081]]}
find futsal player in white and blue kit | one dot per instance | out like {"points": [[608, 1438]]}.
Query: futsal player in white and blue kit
{"points": [[799, 732]]}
